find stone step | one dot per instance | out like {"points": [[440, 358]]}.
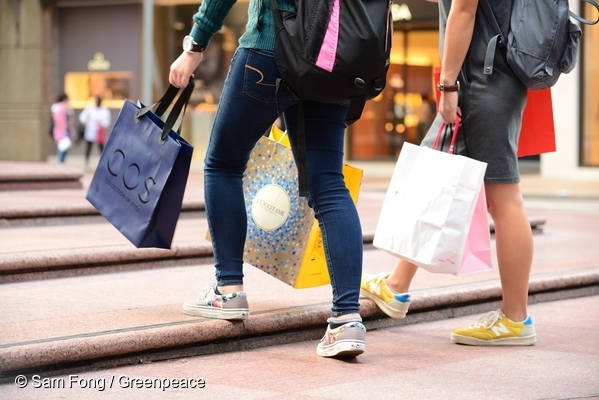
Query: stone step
{"points": [[71, 238], [131, 312], [21, 175], [52, 207], [46, 252], [134, 317], [74, 244]]}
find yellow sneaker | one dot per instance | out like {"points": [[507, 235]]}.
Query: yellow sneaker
{"points": [[374, 287], [495, 329]]}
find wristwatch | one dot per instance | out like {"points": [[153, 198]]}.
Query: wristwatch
{"points": [[448, 88], [190, 46]]}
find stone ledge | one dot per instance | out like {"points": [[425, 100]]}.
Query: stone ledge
{"points": [[30, 262], [61, 351], [38, 176]]}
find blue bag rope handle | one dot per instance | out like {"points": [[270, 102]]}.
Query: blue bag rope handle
{"points": [[163, 104]]}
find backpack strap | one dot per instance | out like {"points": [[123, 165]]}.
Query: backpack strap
{"points": [[497, 40], [356, 106], [490, 54], [583, 20], [300, 147], [300, 152]]}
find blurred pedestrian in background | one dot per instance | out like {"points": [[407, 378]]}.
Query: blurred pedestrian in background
{"points": [[96, 119], [62, 120]]}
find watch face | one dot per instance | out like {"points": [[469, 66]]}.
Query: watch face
{"points": [[187, 43]]}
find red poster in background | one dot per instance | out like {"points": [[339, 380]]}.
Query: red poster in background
{"points": [[537, 134]]}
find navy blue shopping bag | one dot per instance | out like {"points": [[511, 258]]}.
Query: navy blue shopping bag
{"points": [[140, 180]]}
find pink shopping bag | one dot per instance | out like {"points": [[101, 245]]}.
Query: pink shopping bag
{"points": [[477, 253]]}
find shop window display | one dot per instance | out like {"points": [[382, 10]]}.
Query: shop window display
{"points": [[398, 114], [112, 86]]}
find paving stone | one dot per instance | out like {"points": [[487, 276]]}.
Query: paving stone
{"points": [[114, 315]]}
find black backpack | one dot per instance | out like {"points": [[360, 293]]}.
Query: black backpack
{"points": [[542, 41], [332, 51]]}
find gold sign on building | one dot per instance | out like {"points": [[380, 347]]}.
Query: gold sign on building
{"points": [[401, 12], [98, 63]]}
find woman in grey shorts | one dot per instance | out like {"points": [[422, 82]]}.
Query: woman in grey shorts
{"points": [[491, 110]]}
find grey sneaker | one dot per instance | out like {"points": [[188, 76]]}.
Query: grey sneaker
{"points": [[347, 340], [221, 306]]}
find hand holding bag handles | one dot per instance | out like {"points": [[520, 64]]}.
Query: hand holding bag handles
{"points": [[427, 217], [174, 119], [140, 180], [454, 135]]}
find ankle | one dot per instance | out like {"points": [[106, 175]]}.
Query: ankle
{"points": [[345, 318], [336, 322], [229, 289], [516, 315], [397, 286]]}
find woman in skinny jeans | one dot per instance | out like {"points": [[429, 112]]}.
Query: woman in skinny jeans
{"points": [[248, 107]]}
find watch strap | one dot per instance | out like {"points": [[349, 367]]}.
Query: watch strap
{"points": [[197, 48], [448, 88], [190, 45]]}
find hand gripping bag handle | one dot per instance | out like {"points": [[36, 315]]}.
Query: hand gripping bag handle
{"points": [[174, 118], [454, 135]]}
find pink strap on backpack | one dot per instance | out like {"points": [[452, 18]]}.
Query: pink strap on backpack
{"points": [[326, 56]]}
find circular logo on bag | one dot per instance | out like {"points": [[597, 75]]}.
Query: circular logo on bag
{"points": [[270, 207]]}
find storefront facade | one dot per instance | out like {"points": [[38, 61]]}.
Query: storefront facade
{"points": [[576, 111], [93, 47]]}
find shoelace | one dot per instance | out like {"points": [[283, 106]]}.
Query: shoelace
{"points": [[488, 320], [208, 288], [375, 285], [377, 279]]}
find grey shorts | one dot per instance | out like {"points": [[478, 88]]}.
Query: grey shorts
{"points": [[491, 109], [498, 151]]}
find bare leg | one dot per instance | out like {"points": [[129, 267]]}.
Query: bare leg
{"points": [[400, 278], [513, 238], [514, 242]]}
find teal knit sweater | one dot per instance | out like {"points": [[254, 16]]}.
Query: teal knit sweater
{"points": [[260, 30]]}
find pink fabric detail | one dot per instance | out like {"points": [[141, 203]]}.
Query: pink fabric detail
{"points": [[477, 253], [60, 121], [326, 56]]}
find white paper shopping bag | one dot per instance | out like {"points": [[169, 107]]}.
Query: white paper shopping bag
{"points": [[428, 209]]}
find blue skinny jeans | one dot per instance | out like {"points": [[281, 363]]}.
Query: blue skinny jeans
{"points": [[247, 109]]}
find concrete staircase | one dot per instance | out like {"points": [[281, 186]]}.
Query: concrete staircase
{"points": [[75, 294]]}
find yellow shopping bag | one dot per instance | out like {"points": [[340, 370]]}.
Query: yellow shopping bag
{"points": [[284, 238]]}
